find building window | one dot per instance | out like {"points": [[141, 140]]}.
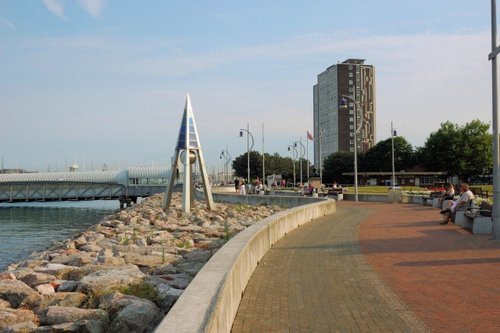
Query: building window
{"points": [[350, 82], [351, 112], [351, 119], [351, 149], [351, 74], [351, 134], [351, 126]]}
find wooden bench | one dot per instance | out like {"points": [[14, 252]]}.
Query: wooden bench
{"points": [[337, 193], [480, 218], [478, 192]]}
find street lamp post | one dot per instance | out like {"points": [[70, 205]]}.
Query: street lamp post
{"points": [[393, 134], [302, 154], [227, 159], [495, 50], [343, 105], [293, 159], [320, 158], [223, 167], [249, 148], [263, 160]]}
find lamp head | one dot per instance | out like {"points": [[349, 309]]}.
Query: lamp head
{"points": [[295, 144], [241, 134], [343, 103], [288, 148]]}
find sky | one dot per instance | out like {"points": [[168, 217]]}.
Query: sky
{"points": [[105, 81]]}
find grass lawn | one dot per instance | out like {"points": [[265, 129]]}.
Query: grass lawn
{"points": [[382, 189]]}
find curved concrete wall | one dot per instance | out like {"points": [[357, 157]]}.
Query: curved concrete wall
{"points": [[210, 302]]}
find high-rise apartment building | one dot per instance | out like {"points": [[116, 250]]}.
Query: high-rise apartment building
{"points": [[334, 126]]}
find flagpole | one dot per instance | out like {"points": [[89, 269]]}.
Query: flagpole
{"points": [[307, 155]]}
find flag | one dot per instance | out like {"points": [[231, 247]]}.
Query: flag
{"points": [[310, 136]]}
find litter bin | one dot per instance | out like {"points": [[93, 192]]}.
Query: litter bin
{"points": [[394, 194]]}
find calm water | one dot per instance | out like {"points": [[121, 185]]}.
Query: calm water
{"points": [[25, 228]]}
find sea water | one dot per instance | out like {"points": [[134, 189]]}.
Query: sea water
{"points": [[29, 227]]}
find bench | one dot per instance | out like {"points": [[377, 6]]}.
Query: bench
{"points": [[480, 218], [459, 217], [478, 192], [337, 192]]}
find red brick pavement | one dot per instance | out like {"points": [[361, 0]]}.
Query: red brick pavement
{"points": [[448, 277]]}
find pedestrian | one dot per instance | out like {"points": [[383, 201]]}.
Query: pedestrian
{"points": [[236, 185], [242, 186]]}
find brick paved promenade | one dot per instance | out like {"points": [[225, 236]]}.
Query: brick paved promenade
{"points": [[342, 273]]}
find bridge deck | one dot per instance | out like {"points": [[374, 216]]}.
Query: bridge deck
{"points": [[323, 278]]}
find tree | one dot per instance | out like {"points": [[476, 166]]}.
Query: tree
{"points": [[442, 148], [336, 164], [240, 165], [477, 149], [461, 151], [379, 157], [275, 164]]}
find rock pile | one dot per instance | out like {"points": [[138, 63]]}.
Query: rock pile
{"points": [[121, 275]]}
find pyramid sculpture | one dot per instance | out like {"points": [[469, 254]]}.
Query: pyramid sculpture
{"points": [[188, 142]]}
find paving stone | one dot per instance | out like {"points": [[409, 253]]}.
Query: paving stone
{"points": [[316, 280]]}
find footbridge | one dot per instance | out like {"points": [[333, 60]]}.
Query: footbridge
{"points": [[124, 185]]}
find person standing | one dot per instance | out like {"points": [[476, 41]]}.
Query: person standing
{"points": [[242, 187], [237, 185]]}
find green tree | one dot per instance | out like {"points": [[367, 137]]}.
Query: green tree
{"points": [[462, 151], [379, 157], [336, 164], [477, 149], [275, 164], [442, 148], [240, 165]]}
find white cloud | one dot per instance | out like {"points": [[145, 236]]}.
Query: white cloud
{"points": [[93, 7], [56, 7], [7, 23]]}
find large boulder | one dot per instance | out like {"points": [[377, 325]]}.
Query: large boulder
{"points": [[15, 291], [23, 327], [132, 314], [90, 248], [34, 279], [45, 289], [39, 303], [67, 286], [13, 316], [81, 326], [179, 281], [64, 314], [149, 261], [68, 299], [4, 304], [109, 278], [7, 276], [60, 271], [77, 259]]}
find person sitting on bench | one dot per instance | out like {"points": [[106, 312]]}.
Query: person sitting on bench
{"points": [[465, 196]]}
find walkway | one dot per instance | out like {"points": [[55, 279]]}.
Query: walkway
{"points": [[316, 279]]}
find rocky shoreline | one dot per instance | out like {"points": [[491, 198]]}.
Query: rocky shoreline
{"points": [[121, 275]]}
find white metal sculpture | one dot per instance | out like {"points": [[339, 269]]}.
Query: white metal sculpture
{"points": [[189, 145]]}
